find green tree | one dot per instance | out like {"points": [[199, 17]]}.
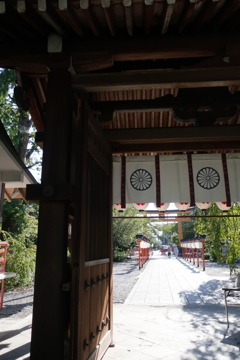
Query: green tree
{"points": [[19, 226], [219, 230], [19, 127], [188, 229], [126, 229], [16, 119], [167, 231], [21, 256], [213, 227]]}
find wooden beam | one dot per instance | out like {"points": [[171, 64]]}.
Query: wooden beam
{"points": [[224, 76], [175, 134], [205, 14], [108, 16], [179, 220], [226, 12], [49, 312], [167, 15], [177, 147], [71, 19], [177, 139], [186, 14], [128, 16], [148, 13], [125, 49], [167, 47], [90, 18]]}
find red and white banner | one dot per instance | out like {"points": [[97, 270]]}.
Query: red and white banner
{"points": [[177, 178]]}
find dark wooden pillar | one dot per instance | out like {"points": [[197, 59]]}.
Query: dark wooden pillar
{"points": [[50, 301]]}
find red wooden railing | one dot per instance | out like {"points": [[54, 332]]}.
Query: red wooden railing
{"points": [[143, 252]]}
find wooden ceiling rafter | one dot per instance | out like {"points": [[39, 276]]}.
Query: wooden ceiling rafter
{"points": [[225, 13], [108, 17], [49, 16], [33, 20], [186, 14], [148, 13], [205, 15], [167, 14], [17, 24], [128, 16], [70, 18], [90, 18]]}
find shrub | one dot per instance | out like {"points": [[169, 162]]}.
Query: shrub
{"points": [[21, 259], [119, 256]]}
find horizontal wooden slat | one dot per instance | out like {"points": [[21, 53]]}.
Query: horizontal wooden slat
{"points": [[224, 76], [171, 135]]}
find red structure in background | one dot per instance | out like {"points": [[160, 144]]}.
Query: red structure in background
{"points": [[3, 259], [143, 249], [3, 275], [163, 251], [193, 250]]}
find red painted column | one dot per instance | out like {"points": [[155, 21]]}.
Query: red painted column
{"points": [[197, 258], [203, 258]]}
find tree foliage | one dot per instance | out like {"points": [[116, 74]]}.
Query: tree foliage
{"points": [[218, 231], [19, 227], [17, 121], [21, 256], [126, 229]]}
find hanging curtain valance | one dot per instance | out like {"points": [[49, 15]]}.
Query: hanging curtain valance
{"points": [[199, 178]]}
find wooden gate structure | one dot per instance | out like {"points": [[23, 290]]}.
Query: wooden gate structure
{"points": [[110, 77]]}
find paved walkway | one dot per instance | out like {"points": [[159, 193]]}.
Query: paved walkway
{"points": [[174, 312], [174, 282]]}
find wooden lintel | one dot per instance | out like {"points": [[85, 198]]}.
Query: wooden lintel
{"points": [[176, 219], [176, 134], [192, 78], [167, 47], [125, 49], [175, 147]]}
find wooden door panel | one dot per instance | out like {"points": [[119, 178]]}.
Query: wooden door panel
{"points": [[105, 302], [95, 306], [92, 265], [85, 315]]}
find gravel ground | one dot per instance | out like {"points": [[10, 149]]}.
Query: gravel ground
{"points": [[18, 304], [125, 276]]}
